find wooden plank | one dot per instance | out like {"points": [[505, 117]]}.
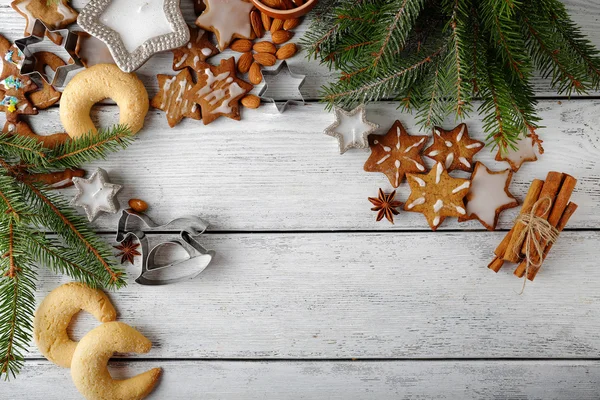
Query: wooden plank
{"points": [[335, 380], [584, 12], [280, 172], [367, 295]]}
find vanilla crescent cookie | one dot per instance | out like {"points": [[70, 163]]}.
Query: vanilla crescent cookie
{"points": [[99, 82], [90, 373], [54, 315]]}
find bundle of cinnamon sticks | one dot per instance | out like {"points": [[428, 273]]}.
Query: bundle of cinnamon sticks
{"points": [[548, 200]]}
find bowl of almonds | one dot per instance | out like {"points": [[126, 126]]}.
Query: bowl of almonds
{"points": [[285, 9]]}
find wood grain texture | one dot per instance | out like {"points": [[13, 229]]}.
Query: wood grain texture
{"points": [[366, 295]]}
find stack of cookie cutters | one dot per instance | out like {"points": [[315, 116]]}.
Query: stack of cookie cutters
{"points": [[68, 42], [153, 272]]}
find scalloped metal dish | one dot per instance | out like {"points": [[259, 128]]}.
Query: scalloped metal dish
{"points": [[89, 20]]}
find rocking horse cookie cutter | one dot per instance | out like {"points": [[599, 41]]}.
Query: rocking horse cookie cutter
{"points": [[155, 273]]}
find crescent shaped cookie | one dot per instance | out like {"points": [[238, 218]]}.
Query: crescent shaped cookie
{"points": [[89, 366], [54, 315]]}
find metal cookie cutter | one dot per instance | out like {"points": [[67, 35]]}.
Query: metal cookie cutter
{"points": [[271, 77], [38, 33], [154, 273]]}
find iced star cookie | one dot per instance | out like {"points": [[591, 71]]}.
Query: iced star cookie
{"points": [[436, 195], [524, 151], [54, 14], [351, 128], [218, 91], [197, 50], [228, 19], [171, 97], [454, 148], [488, 196], [395, 154]]}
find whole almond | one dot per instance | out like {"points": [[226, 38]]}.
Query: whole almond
{"points": [[276, 25], [251, 101], [245, 62], [279, 37], [286, 51], [287, 4], [290, 24], [254, 75], [264, 47], [266, 59], [272, 3], [241, 45], [266, 21], [257, 25]]}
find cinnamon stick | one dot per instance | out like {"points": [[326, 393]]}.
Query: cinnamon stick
{"points": [[496, 264]]}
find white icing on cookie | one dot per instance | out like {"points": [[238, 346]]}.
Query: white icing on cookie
{"points": [[438, 172], [416, 202], [487, 194], [206, 51], [438, 206], [420, 181], [525, 151], [461, 187], [227, 18], [220, 88]]}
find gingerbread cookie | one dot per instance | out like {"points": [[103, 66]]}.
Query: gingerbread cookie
{"points": [[54, 315], [454, 148], [524, 151], [395, 154], [227, 19], [488, 196], [12, 96], [92, 51], [47, 95], [54, 14], [171, 97], [218, 91], [21, 128], [197, 50], [89, 366], [436, 195]]}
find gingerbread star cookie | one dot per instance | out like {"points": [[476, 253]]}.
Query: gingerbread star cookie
{"points": [[524, 151], [12, 96], [437, 195], [198, 49], [396, 153], [47, 95], [228, 19], [454, 148], [218, 91], [488, 196], [54, 14], [171, 97]]}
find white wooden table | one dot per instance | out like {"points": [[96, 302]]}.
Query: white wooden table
{"points": [[309, 297]]}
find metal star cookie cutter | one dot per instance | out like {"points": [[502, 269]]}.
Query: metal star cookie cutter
{"points": [[38, 35], [153, 272], [281, 105], [89, 21]]}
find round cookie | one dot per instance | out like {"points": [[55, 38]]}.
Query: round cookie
{"points": [[99, 82], [54, 315], [90, 373]]}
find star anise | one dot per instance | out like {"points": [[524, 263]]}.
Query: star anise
{"points": [[385, 205], [128, 250]]}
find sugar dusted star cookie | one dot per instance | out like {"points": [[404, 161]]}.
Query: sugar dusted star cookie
{"points": [[454, 148], [228, 19], [171, 97]]}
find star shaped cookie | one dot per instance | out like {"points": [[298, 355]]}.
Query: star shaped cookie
{"points": [[454, 148], [228, 19], [351, 128], [96, 194], [524, 152], [55, 15], [171, 97], [198, 49], [396, 153], [436, 195], [218, 91], [488, 196]]}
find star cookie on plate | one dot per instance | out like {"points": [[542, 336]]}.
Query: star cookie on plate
{"points": [[228, 19], [54, 14], [218, 91], [454, 148], [524, 151], [198, 49], [436, 195], [351, 128], [488, 196], [171, 97], [396, 153]]}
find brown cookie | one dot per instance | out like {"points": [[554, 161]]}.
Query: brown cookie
{"points": [[54, 14], [197, 50], [227, 19], [436, 195], [218, 91], [396, 153], [47, 95], [21, 128], [92, 51], [454, 148], [12, 96], [171, 97], [523, 152]]}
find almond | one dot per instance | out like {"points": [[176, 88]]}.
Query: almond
{"points": [[244, 62], [266, 21], [241, 45], [264, 47], [257, 25], [279, 37], [287, 4], [286, 51], [251, 101], [266, 59], [290, 24], [276, 25], [272, 3], [254, 75]]}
